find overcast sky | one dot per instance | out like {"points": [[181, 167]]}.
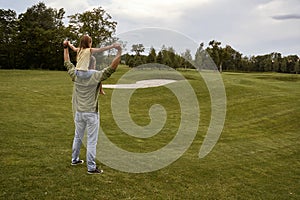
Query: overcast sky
{"points": [[252, 27]]}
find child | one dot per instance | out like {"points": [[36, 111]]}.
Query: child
{"points": [[84, 53], [85, 59]]}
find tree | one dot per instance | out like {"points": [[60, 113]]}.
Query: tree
{"points": [[297, 67], [129, 60], [231, 59], [96, 23], [159, 58], [138, 49], [8, 31], [216, 53], [171, 56], [276, 58], [200, 56], [283, 66], [291, 63], [168, 56], [40, 36], [152, 56], [188, 58]]}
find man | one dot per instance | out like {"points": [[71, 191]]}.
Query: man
{"points": [[85, 108]]}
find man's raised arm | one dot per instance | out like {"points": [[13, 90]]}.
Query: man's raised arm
{"points": [[117, 59], [70, 67], [107, 72]]}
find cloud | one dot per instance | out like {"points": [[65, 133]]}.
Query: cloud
{"points": [[165, 10], [248, 27], [256, 32], [280, 9], [251, 27], [71, 7], [286, 17]]}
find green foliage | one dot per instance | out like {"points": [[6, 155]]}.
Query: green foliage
{"points": [[138, 49], [159, 58], [225, 59], [39, 38], [34, 39], [199, 56], [152, 56], [166, 56], [8, 30], [229, 59], [96, 23]]}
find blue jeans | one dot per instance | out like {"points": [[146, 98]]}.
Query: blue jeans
{"points": [[90, 122], [85, 74]]}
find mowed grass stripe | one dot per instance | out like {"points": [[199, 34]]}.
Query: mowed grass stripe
{"points": [[256, 157]]}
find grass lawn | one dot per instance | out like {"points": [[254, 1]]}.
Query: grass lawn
{"points": [[256, 157]]}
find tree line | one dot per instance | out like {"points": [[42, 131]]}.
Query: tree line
{"points": [[33, 40], [225, 59]]}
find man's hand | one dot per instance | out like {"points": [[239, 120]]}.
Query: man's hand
{"points": [[66, 44], [116, 45], [117, 59], [119, 48]]}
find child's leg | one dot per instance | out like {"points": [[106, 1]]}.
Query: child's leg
{"points": [[91, 71], [101, 89]]}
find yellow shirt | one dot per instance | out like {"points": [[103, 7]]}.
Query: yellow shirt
{"points": [[83, 59]]}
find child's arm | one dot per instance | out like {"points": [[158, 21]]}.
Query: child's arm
{"points": [[98, 50], [72, 47]]}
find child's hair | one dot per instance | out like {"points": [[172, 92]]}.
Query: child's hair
{"points": [[85, 42]]}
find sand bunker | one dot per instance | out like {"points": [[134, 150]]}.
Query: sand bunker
{"points": [[141, 84]]}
